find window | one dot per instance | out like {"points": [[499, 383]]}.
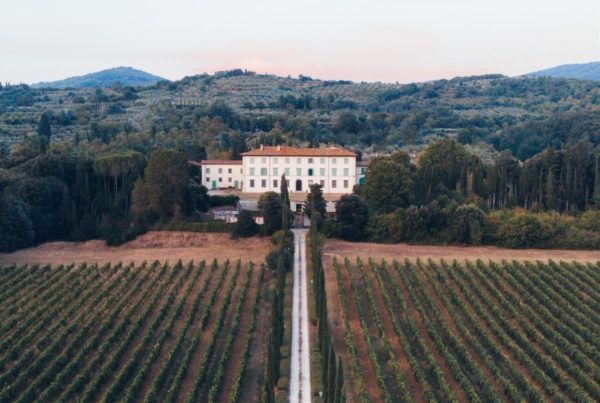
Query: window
{"points": [[275, 183], [252, 160], [251, 183], [333, 171], [229, 170], [333, 184], [252, 171], [264, 160], [207, 170], [287, 183], [229, 179], [345, 160], [322, 171], [275, 160], [275, 171], [310, 161], [333, 160], [346, 171], [287, 160], [220, 170], [322, 183], [310, 172], [241, 170], [346, 184], [322, 160], [287, 172], [220, 179], [263, 183], [263, 172], [299, 171], [298, 160], [207, 179]]}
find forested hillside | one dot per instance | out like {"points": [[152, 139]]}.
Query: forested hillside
{"points": [[220, 111], [86, 163]]}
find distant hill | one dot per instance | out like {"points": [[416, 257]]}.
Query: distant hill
{"points": [[584, 71], [104, 78]]}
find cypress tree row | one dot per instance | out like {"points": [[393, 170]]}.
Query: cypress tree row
{"points": [[284, 252], [333, 375]]}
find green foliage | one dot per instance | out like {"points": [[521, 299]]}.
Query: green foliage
{"points": [[468, 222], [315, 196], [386, 228], [160, 193], [222, 200], [17, 228], [270, 203], [444, 167], [352, 216], [521, 232], [245, 226], [388, 184]]}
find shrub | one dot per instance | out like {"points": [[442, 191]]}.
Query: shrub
{"points": [[522, 231], [218, 201], [245, 226]]}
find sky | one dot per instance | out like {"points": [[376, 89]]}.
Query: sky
{"points": [[360, 40]]}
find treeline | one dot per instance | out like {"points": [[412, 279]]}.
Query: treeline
{"points": [[116, 196], [332, 369], [280, 260], [451, 196]]}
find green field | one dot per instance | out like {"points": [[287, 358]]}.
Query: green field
{"points": [[153, 333], [438, 331]]}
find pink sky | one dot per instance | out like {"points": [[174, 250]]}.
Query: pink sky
{"points": [[360, 40]]}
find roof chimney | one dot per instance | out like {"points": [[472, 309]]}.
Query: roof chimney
{"points": [[261, 147], [279, 148]]}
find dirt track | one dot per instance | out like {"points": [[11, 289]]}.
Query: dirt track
{"points": [[163, 246], [337, 248]]}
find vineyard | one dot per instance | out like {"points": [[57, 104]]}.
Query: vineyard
{"points": [[483, 332], [147, 333]]}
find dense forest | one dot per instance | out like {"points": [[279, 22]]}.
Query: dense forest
{"points": [[85, 163]]}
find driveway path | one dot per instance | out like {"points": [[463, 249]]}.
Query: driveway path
{"points": [[300, 363]]}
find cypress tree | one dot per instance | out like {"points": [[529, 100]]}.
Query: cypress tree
{"points": [[550, 197], [596, 194]]}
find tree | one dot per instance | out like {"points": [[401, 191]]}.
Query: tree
{"points": [[196, 198], [352, 216], [17, 228], [49, 206], [283, 191], [270, 203], [162, 190], [522, 231], [596, 194], [315, 199], [468, 222], [388, 185], [444, 163], [44, 132], [245, 226], [286, 217]]}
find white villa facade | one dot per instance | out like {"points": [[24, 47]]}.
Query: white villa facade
{"points": [[222, 174], [260, 170]]}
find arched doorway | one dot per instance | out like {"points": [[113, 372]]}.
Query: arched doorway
{"points": [[298, 185]]}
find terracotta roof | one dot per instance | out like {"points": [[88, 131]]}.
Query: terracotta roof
{"points": [[221, 162], [300, 152]]}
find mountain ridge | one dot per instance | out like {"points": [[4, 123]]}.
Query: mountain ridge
{"points": [[580, 71], [104, 78]]}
